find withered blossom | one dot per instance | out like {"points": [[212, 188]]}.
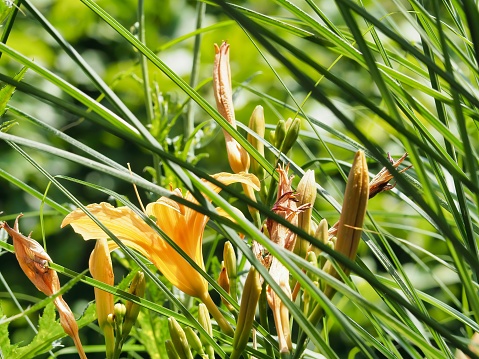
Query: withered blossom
{"points": [[380, 182], [237, 156], [286, 206], [34, 262]]}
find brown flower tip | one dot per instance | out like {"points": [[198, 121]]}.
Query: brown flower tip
{"points": [[380, 182], [222, 83], [237, 156], [33, 260]]}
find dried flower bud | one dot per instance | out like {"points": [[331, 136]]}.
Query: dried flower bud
{"points": [[178, 337], [34, 262], [380, 182], [249, 300]]}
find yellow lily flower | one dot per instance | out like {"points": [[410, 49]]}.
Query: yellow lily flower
{"points": [[182, 224]]}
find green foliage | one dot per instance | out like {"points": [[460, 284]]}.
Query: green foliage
{"points": [[49, 331], [109, 83]]}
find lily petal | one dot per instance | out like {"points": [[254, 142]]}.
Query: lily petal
{"points": [[138, 235]]}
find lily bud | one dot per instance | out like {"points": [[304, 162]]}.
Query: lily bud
{"points": [[178, 337], [279, 134], [292, 133], [101, 269], [306, 196], [237, 155], [249, 300], [229, 257], [205, 322], [193, 340], [257, 124], [34, 262], [224, 283], [313, 260], [354, 210], [137, 287], [170, 350]]}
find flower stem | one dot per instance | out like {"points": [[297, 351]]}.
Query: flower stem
{"points": [[215, 312]]}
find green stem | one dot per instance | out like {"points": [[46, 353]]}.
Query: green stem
{"points": [[215, 312], [144, 63], [190, 116]]}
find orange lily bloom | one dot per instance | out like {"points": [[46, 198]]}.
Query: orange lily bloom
{"points": [[183, 225]]}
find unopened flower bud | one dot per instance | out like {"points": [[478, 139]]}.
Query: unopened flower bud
{"points": [[205, 321], [170, 350], [178, 337], [292, 133], [101, 269], [137, 287], [249, 300], [194, 340], [279, 134], [229, 257], [313, 260], [224, 283], [119, 310], [257, 124], [306, 196], [353, 212]]}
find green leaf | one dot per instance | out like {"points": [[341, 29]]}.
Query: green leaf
{"points": [[6, 7], [7, 350], [153, 333], [48, 327], [7, 91]]}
